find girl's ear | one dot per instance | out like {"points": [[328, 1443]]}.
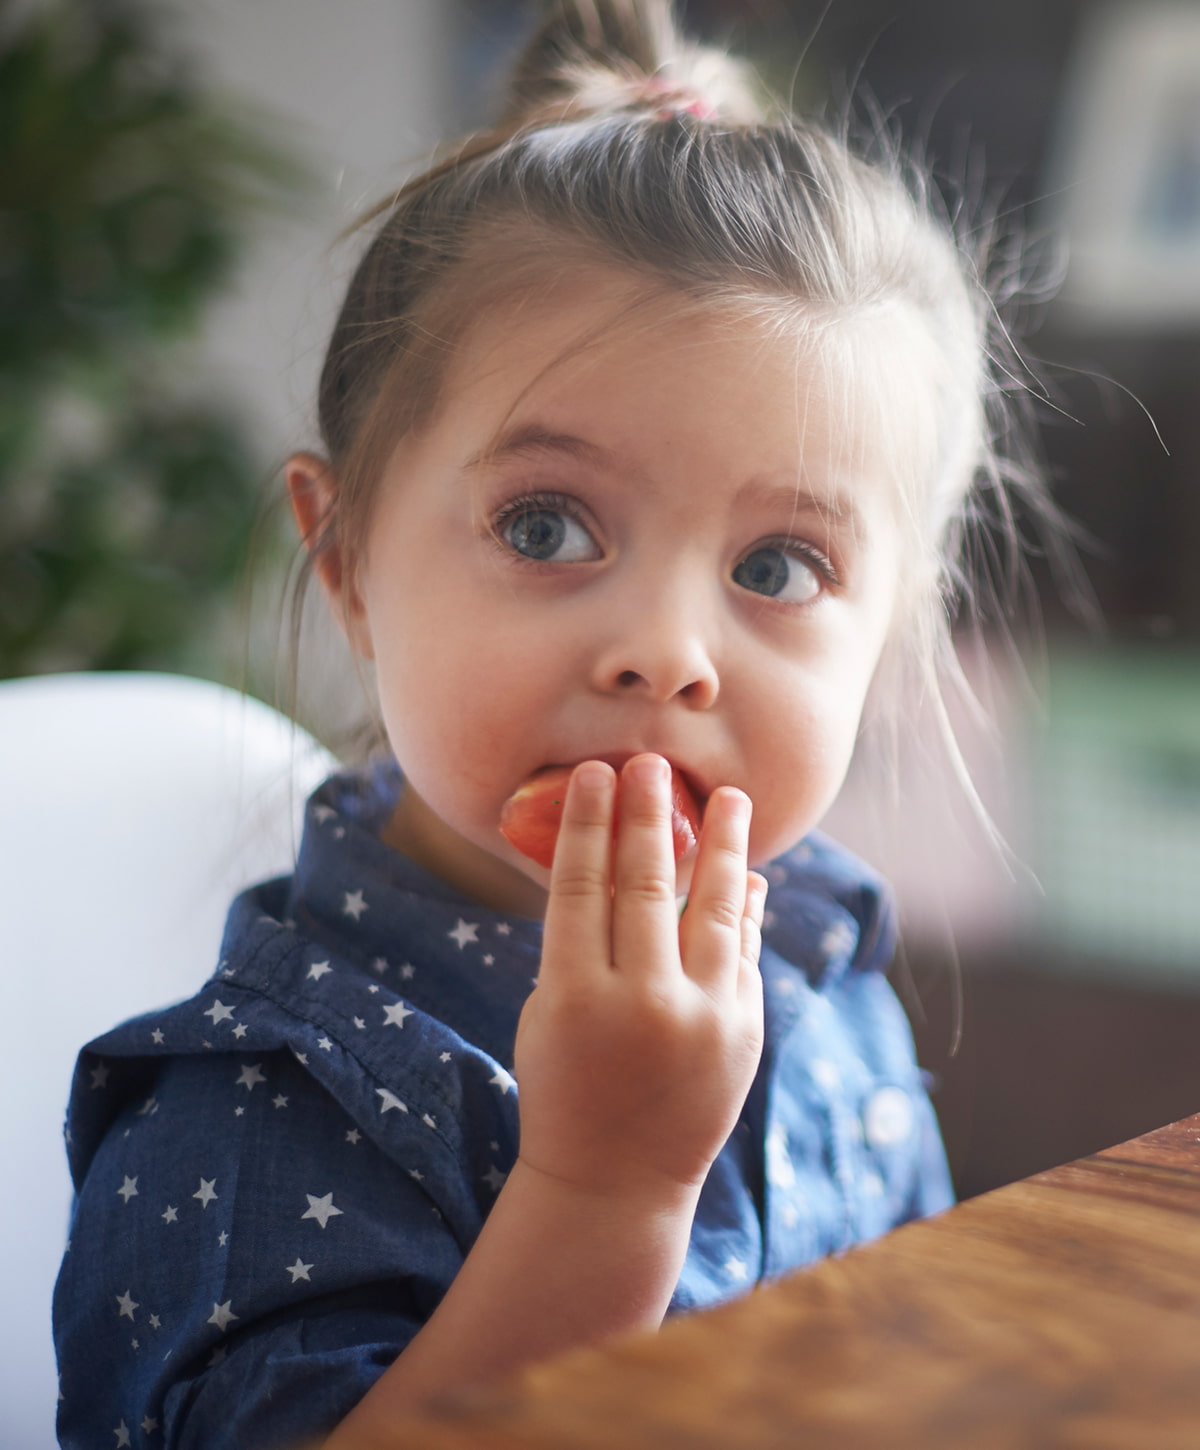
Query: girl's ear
{"points": [[311, 485]]}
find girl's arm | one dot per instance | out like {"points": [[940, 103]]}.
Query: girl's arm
{"points": [[634, 1056]]}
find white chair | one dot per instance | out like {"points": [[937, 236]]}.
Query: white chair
{"points": [[132, 808]]}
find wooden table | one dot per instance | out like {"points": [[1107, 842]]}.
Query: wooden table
{"points": [[1063, 1310]]}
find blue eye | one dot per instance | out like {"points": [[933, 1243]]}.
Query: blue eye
{"points": [[779, 575], [548, 535]]}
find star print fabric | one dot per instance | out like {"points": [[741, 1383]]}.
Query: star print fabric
{"points": [[278, 1179]]}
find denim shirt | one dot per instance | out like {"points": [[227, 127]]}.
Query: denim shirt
{"points": [[278, 1179]]}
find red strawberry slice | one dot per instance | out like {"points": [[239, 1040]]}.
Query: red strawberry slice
{"points": [[530, 818]]}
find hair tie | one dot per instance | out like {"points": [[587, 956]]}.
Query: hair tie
{"points": [[668, 99]]}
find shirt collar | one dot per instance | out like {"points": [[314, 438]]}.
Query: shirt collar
{"points": [[468, 966]]}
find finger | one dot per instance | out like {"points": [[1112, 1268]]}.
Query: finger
{"points": [[645, 917], [711, 932], [579, 907], [752, 920]]}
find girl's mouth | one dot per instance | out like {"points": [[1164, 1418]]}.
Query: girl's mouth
{"points": [[531, 817]]}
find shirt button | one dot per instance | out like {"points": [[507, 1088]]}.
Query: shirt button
{"points": [[888, 1117]]}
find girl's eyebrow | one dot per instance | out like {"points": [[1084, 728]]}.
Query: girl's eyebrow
{"points": [[837, 506], [532, 438]]}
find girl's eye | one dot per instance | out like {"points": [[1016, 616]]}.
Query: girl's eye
{"points": [[547, 534], [779, 574]]}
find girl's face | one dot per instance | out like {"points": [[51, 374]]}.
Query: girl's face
{"points": [[664, 540]]}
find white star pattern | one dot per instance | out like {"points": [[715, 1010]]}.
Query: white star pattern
{"points": [[239, 1112], [324, 813], [178, 1273], [826, 1074], [222, 1316], [781, 1173], [464, 932], [321, 1209], [122, 1434], [149, 1424], [353, 904], [839, 939], [157, 1038]]}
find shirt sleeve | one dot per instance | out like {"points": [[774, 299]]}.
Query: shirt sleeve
{"points": [[244, 1262]]}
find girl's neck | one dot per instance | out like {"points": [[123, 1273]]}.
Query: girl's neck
{"points": [[420, 834]]}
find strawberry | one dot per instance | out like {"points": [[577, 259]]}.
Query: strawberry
{"points": [[531, 816]]}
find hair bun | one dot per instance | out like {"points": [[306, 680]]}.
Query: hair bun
{"points": [[589, 57]]}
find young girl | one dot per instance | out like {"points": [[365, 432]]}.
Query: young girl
{"points": [[647, 423]]}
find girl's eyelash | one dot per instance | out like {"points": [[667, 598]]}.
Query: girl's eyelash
{"points": [[564, 504], [559, 503], [820, 561]]}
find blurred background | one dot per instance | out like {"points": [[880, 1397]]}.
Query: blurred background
{"points": [[172, 184]]}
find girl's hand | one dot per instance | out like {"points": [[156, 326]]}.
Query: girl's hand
{"points": [[636, 1050]]}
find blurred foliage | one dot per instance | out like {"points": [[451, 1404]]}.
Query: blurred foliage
{"points": [[128, 488]]}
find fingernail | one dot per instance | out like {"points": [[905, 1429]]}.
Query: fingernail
{"points": [[593, 775], [648, 769], [736, 805]]}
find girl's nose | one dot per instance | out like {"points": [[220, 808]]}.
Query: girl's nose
{"points": [[659, 658]]}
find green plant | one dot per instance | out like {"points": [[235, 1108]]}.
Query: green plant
{"points": [[128, 489]]}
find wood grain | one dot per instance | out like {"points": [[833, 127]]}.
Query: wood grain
{"points": [[1061, 1311]]}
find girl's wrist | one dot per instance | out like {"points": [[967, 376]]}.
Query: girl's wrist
{"points": [[619, 1196]]}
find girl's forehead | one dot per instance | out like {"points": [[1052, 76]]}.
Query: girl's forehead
{"points": [[609, 351]]}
